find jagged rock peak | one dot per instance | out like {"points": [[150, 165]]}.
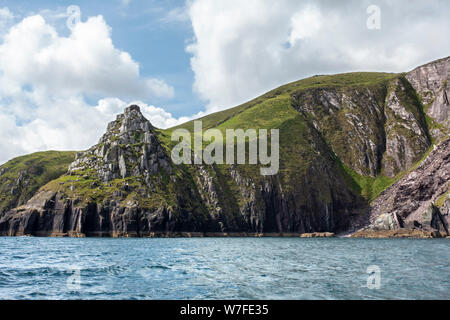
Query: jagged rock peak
{"points": [[130, 147], [131, 120], [133, 113], [131, 108]]}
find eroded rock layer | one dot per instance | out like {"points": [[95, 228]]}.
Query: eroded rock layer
{"points": [[344, 140]]}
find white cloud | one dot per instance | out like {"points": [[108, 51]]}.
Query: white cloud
{"points": [[125, 3], [6, 18], [158, 116], [45, 79], [5, 14], [305, 24], [68, 123], [178, 14], [85, 62], [245, 48]]}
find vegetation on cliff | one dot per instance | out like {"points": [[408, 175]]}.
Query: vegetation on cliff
{"points": [[344, 140], [21, 177]]}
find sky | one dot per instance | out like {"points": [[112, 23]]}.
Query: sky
{"points": [[67, 68]]}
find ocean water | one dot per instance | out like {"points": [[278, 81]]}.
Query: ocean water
{"points": [[223, 268]]}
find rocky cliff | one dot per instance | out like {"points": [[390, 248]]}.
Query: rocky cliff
{"points": [[123, 186], [372, 128], [432, 84], [126, 185], [412, 202], [351, 157], [420, 199], [20, 178]]}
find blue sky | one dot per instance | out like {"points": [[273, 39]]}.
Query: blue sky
{"points": [[147, 29], [178, 60]]}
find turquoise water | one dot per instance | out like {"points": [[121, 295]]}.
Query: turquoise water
{"points": [[222, 268]]}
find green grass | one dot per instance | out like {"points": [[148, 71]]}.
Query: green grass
{"points": [[35, 170], [273, 113], [371, 187], [359, 79], [87, 188], [368, 187], [440, 201], [274, 110], [302, 151]]}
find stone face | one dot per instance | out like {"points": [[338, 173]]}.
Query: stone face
{"points": [[431, 82], [370, 129], [128, 148], [433, 219], [20, 178], [412, 197], [405, 130], [351, 120], [385, 221]]}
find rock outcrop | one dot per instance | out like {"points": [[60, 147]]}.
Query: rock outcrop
{"points": [[130, 148], [432, 83], [126, 186], [409, 203], [21, 177], [405, 129], [343, 139], [123, 186], [371, 129]]}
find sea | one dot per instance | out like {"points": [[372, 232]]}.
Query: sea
{"points": [[223, 268]]}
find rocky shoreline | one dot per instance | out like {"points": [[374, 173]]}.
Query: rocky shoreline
{"points": [[176, 235], [399, 233], [367, 234]]}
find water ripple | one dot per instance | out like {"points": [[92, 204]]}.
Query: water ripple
{"points": [[225, 268]]}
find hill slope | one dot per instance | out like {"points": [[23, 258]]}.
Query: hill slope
{"points": [[21, 177], [344, 139]]}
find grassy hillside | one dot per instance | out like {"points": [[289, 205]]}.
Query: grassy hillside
{"points": [[21, 177], [335, 132], [360, 79], [299, 146], [274, 110]]}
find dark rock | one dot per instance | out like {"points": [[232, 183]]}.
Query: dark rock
{"points": [[432, 83], [412, 197]]}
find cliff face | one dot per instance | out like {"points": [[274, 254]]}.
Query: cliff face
{"points": [[123, 186], [420, 199], [20, 178], [313, 198], [411, 201], [372, 129], [126, 185], [129, 148], [432, 84], [343, 140]]}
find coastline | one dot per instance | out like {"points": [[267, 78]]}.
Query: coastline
{"points": [[399, 233], [367, 234]]}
